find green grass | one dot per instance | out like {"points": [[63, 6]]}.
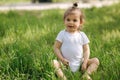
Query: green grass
{"points": [[27, 38]]}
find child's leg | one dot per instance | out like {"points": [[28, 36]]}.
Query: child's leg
{"points": [[59, 72], [92, 65]]}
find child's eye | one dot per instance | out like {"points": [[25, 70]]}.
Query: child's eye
{"points": [[75, 20], [68, 19]]}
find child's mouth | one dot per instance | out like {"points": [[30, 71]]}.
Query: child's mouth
{"points": [[70, 26]]}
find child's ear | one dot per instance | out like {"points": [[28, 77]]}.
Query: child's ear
{"points": [[81, 21]]}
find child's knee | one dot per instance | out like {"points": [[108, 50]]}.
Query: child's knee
{"points": [[96, 61], [56, 64]]}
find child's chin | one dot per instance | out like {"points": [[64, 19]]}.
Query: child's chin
{"points": [[72, 30]]}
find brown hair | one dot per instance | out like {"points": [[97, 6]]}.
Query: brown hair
{"points": [[72, 10]]}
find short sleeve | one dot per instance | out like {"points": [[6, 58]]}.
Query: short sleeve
{"points": [[60, 36], [84, 38]]}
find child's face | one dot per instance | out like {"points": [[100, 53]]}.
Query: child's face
{"points": [[72, 22]]}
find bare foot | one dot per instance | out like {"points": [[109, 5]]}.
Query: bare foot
{"points": [[64, 78], [86, 77]]}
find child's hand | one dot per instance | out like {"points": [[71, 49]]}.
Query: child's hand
{"points": [[65, 61], [84, 66]]}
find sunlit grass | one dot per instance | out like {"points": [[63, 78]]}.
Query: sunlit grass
{"points": [[27, 39], [111, 35], [9, 38]]}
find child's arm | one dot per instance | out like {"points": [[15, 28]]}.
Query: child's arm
{"points": [[58, 53], [86, 54]]}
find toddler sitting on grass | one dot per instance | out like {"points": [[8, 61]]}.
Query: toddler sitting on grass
{"points": [[72, 46]]}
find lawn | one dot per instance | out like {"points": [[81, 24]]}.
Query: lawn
{"points": [[27, 38]]}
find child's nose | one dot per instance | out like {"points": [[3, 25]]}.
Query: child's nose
{"points": [[71, 22]]}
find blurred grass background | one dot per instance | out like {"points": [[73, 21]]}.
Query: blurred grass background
{"points": [[27, 38]]}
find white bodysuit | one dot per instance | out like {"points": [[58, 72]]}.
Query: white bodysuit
{"points": [[72, 47]]}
